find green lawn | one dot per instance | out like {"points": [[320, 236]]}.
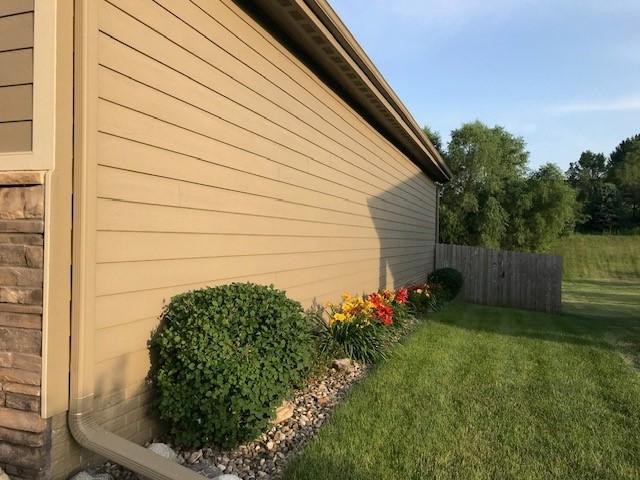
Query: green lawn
{"points": [[490, 393], [600, 256]]}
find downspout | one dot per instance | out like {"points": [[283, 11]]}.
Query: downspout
{"points": [[435, 250], [81, 418]]}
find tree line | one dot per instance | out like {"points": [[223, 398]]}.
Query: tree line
{"points": [[495, 200], [608, 188]]}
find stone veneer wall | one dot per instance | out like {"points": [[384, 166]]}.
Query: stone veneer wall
{"points": [[25, 438]]}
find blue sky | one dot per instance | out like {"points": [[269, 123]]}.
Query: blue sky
{"points": [[563, 74]]}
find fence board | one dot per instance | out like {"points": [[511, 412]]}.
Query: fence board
{"points": [[531, 281]]}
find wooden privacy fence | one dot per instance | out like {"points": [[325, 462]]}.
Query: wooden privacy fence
{"points": [[532, 281]]}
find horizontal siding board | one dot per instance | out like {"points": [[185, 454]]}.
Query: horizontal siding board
{"points": [[16, 67], [115, 374], [126, 216], [141, 188], [291, 132], [123, 308], [138, 157], [16, 31], [220, 158], [139, 246], [115, 278], [15, 137], [116, 340], [13, 7], [16, 103], [187, 40], [122, 91], [275, 62], [119, 121]]}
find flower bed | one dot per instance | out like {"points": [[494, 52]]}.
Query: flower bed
{"points": [[361, 327], [230, 326]]}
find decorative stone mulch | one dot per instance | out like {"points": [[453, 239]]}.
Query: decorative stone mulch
{"points": [[266, 457]]}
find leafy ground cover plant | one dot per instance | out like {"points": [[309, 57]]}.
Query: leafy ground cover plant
{"points": [[226, 357]]}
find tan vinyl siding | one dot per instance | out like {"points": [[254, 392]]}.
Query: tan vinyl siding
{"points": [[16, 75], [221, 157], [16, 67]]}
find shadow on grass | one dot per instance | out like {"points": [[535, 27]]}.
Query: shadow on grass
{"points": [[597, 314]]}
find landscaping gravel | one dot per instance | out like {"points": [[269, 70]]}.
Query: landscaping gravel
{"points": [[266, 457]]}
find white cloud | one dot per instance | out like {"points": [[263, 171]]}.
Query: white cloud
{"points": [[623, 104]]}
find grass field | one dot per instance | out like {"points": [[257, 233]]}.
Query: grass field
{"points": [[600, 257], [491, 393]]}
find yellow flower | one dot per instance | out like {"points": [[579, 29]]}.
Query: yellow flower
{"points": [[339, 317], [346, 296], [419, 290]]}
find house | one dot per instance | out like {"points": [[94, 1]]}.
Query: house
{"points": [[152, 147]]}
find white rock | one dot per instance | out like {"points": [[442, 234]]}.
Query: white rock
{"points": [[226, 476], [283, 413], [80, 476], [3, 476], [165, 451], [343, 365], [195, 457]]}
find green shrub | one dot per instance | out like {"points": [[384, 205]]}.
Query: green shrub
{"points": [[226, 357], [449, 282]]}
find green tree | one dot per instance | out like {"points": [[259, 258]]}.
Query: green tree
{"points": [[475, 204], [624, 172], [588, 176], [436, 139], [605, 208], [494, 201], [549, 210]]}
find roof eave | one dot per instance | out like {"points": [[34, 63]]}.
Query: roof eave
{"points": [[316, 30]]}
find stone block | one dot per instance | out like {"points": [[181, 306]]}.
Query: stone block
{"points": [[20, 340], [15, 308], [20, 320], [27, 361], [24, 295], [34, 256], [22, 402], [20, 277], [22, 238], [22, 456], [21, 226], [6, 359], [24, 421], [14, 375], [22, 202], [24, 389], [12, 254], [21, 178], [22, 438]]}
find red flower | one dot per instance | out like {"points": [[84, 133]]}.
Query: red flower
{"points": [[383, 311], [402, 294]]}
